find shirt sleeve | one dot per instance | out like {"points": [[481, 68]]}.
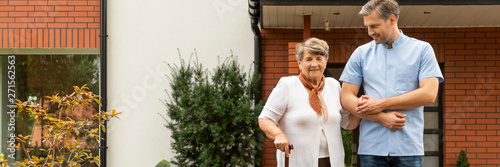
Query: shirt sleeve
{"points": [[353, 72], [277, 103], [429, 66]]}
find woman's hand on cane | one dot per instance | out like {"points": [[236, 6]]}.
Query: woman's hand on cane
{"points": [[282, 143]]}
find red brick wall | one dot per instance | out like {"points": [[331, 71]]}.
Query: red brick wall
{"points": [[49, 23], [471, 93], [471, 88]]}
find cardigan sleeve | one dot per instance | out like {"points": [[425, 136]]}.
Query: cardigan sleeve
{"points": [[345, 116], [277, 103]]}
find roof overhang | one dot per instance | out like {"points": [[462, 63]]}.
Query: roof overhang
{"points": [[413, 14]]}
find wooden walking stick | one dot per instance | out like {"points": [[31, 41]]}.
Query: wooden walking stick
{"points": [[290, 147]]}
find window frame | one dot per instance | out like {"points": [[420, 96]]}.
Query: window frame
{"points": [[44, 51]]}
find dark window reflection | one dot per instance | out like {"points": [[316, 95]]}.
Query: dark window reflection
{"points": [[37, 76]]}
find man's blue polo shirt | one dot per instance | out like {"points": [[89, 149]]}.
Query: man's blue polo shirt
{"points": [[386, 73]]}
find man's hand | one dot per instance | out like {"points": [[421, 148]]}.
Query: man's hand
{"points": [[392, 120], [363, 106], [282, 143], [369, 105]]}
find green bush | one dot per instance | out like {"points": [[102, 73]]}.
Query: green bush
{"points": [[214, 121], [462, 160], [347, 141], [163, 163]]}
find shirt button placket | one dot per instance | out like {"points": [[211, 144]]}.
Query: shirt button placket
{"points": [[391, 72]]}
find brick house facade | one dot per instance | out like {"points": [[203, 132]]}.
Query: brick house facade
{"points": [[49, 24], [471, 91], [470, 59], [53, 31]]}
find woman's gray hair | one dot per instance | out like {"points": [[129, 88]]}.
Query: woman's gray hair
{"points": [[385, 8], [314, 46]]}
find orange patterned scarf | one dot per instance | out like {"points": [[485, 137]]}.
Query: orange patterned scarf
{"points": [[315, 99]]}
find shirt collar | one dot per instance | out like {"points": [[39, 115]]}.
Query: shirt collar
{"points": [[399, 40]]}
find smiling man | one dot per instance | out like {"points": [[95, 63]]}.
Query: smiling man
{"points": [[400, 75]]}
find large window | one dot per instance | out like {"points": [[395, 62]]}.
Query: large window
{"points": [[31, 78], [433, 131]]}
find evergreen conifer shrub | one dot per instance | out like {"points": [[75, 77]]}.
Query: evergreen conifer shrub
{"points": [[462, 160], [213, 117]]}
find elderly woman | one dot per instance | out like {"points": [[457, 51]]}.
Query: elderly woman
{"points": [[305, 111]]}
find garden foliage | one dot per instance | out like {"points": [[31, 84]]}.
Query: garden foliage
{"points": [[163, 163], [462, 160], [213, 117], [66, 139], [347, 142]]}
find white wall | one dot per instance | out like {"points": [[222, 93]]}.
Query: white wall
{"points": [[142, 36]]}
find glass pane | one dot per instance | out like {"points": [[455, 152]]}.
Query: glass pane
{"points": [[431, 120], [32, 78], [431, 142], [354, 160], [430, 161], [334, 72]]}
